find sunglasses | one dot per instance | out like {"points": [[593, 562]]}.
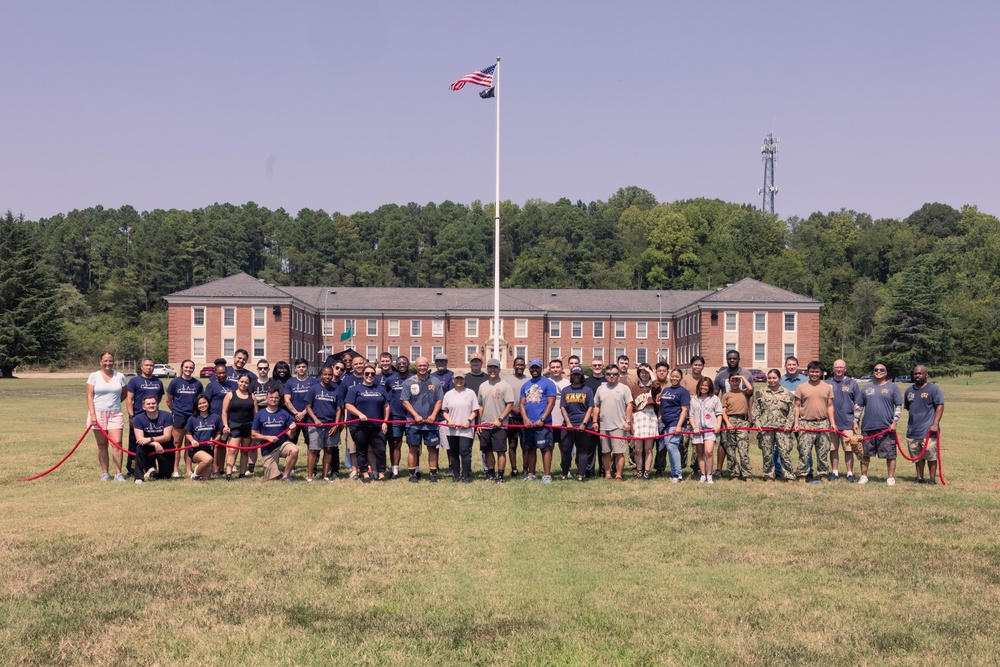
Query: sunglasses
{"points": [[368, 374], [611, 375], [263, 368], [880, 370]]}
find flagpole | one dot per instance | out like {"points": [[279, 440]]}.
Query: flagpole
{"points": [[496, 226]]}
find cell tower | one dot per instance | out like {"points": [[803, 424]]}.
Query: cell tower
{"points": [[769, 154]]}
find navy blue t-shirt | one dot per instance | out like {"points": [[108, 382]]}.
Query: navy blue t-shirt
{"points": [[141, 388], [576, 401], [672, 401], [922, 404], [216, 393], [324, 402], [845, 396], [395, 390], [447, 379], [345, 384], [298, 390], [369, 400], [204, 428], [234, 375], [266, 422], [152, 428], [385, 379], [879, 403], [184, 394]]}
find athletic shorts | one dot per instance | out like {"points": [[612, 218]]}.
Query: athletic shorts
{"points": [[917, 444], [397, 430], [180, 421], [493, 440], [427, 434], [883, 446], [538, 438], [613, 445], [240, 430], [320, 438], [200, 448], [108, 420]]}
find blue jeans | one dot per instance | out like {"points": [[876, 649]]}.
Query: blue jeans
{"points": [[674, 453]]}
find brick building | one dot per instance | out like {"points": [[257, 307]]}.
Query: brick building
{"points": [[763, 322]]}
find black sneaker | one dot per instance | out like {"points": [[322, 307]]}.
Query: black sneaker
{"points": [[432, 478], [466, 480], [501, 479], [414, 478], [513, 473], [455, 477], [394, 475]]}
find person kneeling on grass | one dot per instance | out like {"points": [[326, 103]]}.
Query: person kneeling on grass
{"points": [[270, 426], [153, 428], [201, 428]]}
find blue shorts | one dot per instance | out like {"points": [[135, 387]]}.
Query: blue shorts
{"points": [[537, 438], [428, 433], [397, 430]]}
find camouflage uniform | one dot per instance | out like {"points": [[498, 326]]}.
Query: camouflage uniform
{"points": [[738, 442], [775, 409], [807, 441]]}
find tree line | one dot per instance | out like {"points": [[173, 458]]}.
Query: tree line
{"points": [[919, 289]]}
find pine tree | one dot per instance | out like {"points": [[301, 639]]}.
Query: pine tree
{"points": [[32, 329]]}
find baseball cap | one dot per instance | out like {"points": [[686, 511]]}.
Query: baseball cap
{"points": [[476, 356], [493, 362], [441, 357], [576, 370], [535, 361]]}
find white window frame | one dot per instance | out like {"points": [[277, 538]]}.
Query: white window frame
{"points": [[665, 330], [736, 321], [394, 351], [437, 328], [576, 329], [435, 351], [415, 352], [520, 328], [195, 342], [328, 326], [641, 330], [789, 350], [795, 322], [394, 329], [729, 347], [641, 355], [469, 351], [471, 327], [228, 347], [416, 327], [371, 353], [762, 359], [226, 311], [576, 351], [663, 354], [621, 330], [555, 328], [195, 311], [598, 329], [262, 353], [758, 318], [371, 328], [554, 353], [351, 325], [619, 351], [598, 353], [521, 351]]}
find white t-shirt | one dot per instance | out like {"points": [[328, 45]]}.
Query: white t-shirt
{"points": [[107, 395], [459, 405], [557, 419]]}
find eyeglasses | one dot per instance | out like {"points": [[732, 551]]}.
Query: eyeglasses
{"points": [[880, 370], [368, 374]]}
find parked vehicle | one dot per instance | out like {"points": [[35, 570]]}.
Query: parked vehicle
{"points": [[164, 371], [758, 375], [903, 378], [207, 372], [866, 378]]}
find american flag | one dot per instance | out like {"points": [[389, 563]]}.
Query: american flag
{"points": [[483, 77]]}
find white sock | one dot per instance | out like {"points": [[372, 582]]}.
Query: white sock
{"points": [[416, 469], [395, 470]]}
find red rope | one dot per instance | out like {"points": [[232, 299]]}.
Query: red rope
{"points": [[927, 439], [61, 461]]}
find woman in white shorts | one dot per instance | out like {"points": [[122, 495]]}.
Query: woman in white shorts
{"points": [[105, 391], [705, 412], [646, 424]]}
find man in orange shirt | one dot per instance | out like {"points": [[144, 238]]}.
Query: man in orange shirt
{"points": [[814, 411]]}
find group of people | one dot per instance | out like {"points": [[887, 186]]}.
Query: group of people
{"points": [[605, 421]]}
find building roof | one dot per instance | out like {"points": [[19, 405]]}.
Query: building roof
{"points": [[480, 300]]}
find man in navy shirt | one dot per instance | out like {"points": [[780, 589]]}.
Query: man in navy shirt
{"points": [[272, 426], [394, 388], [238, 369], [152, 428], [845, 396], [138, 389], [422, 397], [357, 366], [296, 391], [925, 403], [881, 404]]}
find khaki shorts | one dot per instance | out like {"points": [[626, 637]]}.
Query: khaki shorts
{"points": [[917, 444], [613, 445], [271, 468]]}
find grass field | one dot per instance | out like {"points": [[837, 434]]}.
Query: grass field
{"points": [[595, 574]]}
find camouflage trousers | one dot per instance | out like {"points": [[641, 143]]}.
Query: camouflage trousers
{"points": [[809, 441], [767, 441], [738, 443]]}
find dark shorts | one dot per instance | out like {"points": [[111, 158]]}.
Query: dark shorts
{"points": [[180, 421], [427, 434], [493, 440], [538, 438], [397, 430], [200, 448], [239, 430], [883, 446]]}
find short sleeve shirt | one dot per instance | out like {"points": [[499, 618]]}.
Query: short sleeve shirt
{"points": [[576, 401], [324, 402], [535, 394], [494, 399], [152, 428], [922, 404], [107, 394], [845, 396], [184, 394], [141, 388], [422, 394], [298, 391], [612, 402], [460, 405], [722, 379], [814, 399], [879, 403], [672, 402], [203, 428], [266, 422]]}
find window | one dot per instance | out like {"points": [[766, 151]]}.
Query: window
{"points": [[682, 328], [258, 317], [349, 327], [394, 351], [730, 347], [759, 353], [414, 352], [372, 328], [258, 348], [197, 317], [576, 352], [471, 327], [521, 351], [555, 328], [619, 329], [435, 351], [437, 328], [789, 321], [789, 350], [520, 328], [598, 329], [640, 355], [619, 351], [493, 327], [555, 353], [228, 347], [394, 329], [197, 347], [695, 323], [229, 317], [599, 353], [576, 329], [640, 330], [470, 350], [415, 328], [730, 321], [760, 321], [371, 353], [328, 326], [663, 355], [664, 330]]}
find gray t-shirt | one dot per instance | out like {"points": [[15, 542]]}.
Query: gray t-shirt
{"points": [[494, 399], [422, 394], [722, 379], [557, 418], [612, 401]]}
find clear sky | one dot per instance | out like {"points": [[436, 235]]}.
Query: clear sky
{"points": [[880, 106]]}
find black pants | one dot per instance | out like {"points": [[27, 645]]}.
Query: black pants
{"points": [[581, 441], [593, 446], [130, 461], [146, 458], [460, 448], [365, 436]]}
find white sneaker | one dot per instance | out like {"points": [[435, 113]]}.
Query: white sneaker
{"points": [[709, 480], [309, 480], [703, 478], [891, 481], [175, 475], [138, 481], [863, 480]]}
